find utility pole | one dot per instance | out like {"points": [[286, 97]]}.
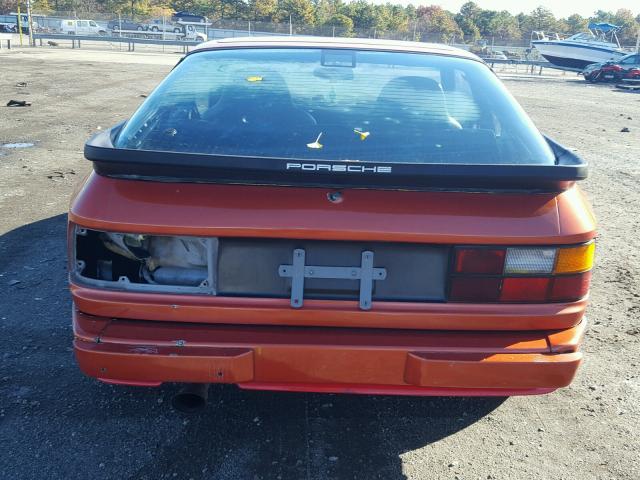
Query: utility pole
{"points": [[20, 24], [29, 19], [290, 26]]}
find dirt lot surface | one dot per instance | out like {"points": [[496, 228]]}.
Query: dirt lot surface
{"points": [[57, 424]]}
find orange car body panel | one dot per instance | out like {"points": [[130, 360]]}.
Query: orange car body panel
{"points": [[372, 215], [329, 345]]}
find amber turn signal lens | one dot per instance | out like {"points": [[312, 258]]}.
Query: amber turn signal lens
{"points": [[575, 259]]}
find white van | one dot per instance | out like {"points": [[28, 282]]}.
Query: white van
{"points": [[81, 27], [191, 34]]}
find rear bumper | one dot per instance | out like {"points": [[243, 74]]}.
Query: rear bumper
{"points": [[203, 309], [355, 360]]}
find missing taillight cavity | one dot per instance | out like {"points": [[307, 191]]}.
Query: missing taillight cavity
{"points": [[144, 262]]}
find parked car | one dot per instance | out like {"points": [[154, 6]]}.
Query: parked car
{"points": [[158, 25], [123, 24], [611, 71], [495, 56], [81, 27], [632, 76], [512, 55], [177, 31], [631, 79], [188, 17], [394, 224], [7, 27]]}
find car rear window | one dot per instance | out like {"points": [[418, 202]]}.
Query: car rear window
{"points": [[336, 105]]}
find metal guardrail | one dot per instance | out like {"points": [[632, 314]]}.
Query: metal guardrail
{"points": [[530, 63], [511, 61], [130, 41]]}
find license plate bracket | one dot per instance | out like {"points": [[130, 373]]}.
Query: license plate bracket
{"points": [[366, 273]]}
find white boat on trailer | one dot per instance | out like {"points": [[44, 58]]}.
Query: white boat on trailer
{"points": [[600, 44]]}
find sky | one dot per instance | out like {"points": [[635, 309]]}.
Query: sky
{"points": [[560, 8]]}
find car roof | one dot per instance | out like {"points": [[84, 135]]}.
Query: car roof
{"points": [[279, 41]]}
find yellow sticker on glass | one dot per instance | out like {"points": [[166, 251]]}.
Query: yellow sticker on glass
{"points": [[363, 135], [316, 144], [254, 78]]}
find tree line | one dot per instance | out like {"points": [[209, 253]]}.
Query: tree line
{"points": [[432, 22]]}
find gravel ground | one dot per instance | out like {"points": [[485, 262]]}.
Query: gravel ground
{"points": [[55, 423]]}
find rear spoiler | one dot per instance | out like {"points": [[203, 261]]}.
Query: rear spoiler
{"points": [[203, 168]]}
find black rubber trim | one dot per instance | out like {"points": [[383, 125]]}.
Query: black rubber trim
{"points": [[202, 168]]}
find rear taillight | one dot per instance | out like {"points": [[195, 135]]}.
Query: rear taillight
{"points": [[521, 274]]}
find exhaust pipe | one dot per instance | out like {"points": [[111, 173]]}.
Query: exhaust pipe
{"points": [[191, 398]]}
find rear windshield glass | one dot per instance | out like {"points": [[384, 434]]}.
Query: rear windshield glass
{"points": [[336, 105]]}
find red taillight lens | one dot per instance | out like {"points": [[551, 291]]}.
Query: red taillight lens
{"points": [[523, 289], [570, 287], [488, 261], [475, 289]]}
